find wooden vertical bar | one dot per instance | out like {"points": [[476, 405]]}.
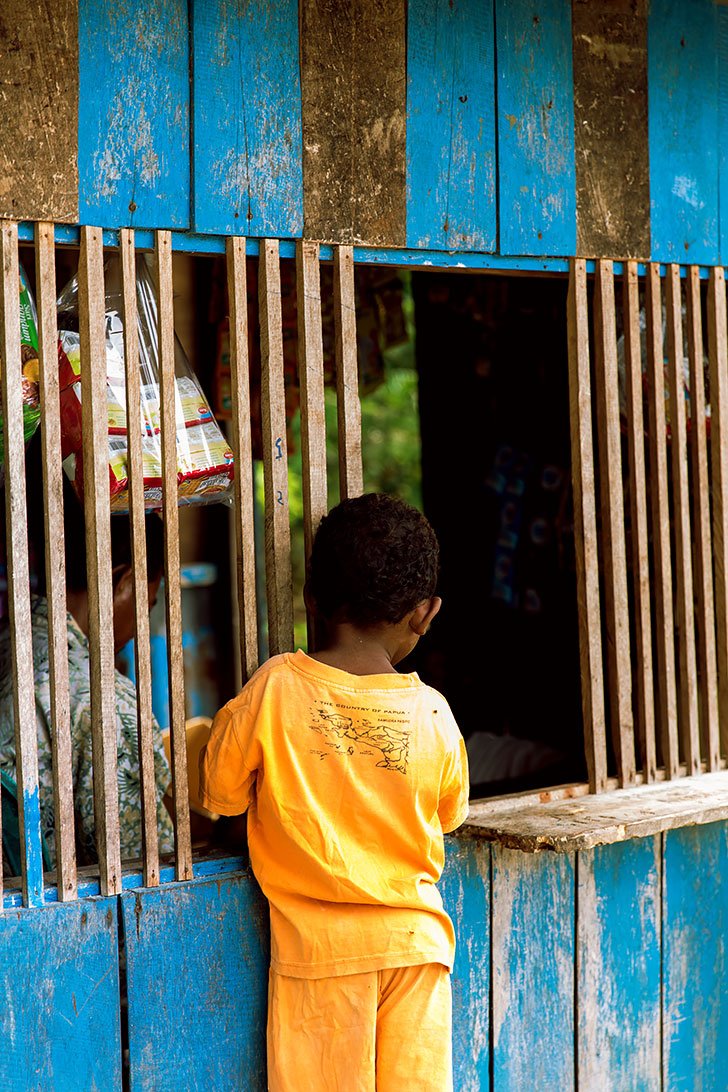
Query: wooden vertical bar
{"points": [[688, 672], [98, 556], [616, 605], [244, 518], [718, 357], [665, 634], [643, 676], [585, 529], [175, 667], [55, 562], [275, 454], [351, 479], [707, 665], [142, 648]]}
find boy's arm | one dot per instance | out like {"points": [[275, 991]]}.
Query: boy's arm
{"points": [[454, 788], [227, 781]]}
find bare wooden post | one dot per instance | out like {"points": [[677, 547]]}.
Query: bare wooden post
{"points": [[55, 562], [351, 481], [98, 556], [275, 453], [168, 415], [612, 492], [661, 526], [585, 529], [142, 651], [718, 356], [243, 448]]}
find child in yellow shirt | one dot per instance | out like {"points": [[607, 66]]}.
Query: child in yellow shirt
{"points": [[350, 773]]}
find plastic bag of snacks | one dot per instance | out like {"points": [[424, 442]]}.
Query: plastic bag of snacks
{"points": [[29, 359], [204, 459]]}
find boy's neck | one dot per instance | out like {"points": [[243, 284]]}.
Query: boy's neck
{"points": [[359, 651]]}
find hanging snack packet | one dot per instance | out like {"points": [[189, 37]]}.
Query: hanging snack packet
{"points": [[30, 366]]}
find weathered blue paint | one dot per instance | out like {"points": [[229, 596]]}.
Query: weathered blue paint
{"points": [[695, 959], [197, 958], [722, 44], [536, 166], [465, 888], [533, 971], [451, 125], [248, 167], [683, 129], [133, 131], [31, 845], [618, 966], [59, 1017]]}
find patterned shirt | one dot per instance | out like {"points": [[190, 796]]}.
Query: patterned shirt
{"points": [[130, 819]]}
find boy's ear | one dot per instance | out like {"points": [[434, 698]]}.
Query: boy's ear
{"points": [[121, 579], [422, 615]]}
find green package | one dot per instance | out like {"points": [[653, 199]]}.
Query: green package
{"points": [[30, 365]]}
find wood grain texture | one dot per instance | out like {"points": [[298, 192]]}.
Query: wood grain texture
{"points": [[247, 155], [610, 128], [244, 516], [173, 594], [39, 110], [451, 125], [658, 486], [351, 479], [614, 558], [142, 646], [722, 49], [55, 562], [311, 384], [353, 79], [585, 528], [718, 381], [275, 453]]}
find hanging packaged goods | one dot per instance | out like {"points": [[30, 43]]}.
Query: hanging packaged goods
{"points": [[29, 358]]}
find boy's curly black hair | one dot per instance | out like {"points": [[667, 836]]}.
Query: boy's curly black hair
{"points": [[373, 560]]}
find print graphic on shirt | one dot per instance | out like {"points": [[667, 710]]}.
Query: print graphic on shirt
{"points": [[391, 741]]}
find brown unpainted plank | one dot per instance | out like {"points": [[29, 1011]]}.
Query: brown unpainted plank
{"points": [[664, 625], [351, 475], [718, 358], [610, 127], [275, 453], [39, 115], [173, 593], [585, 528], [614, 556], [92, 324], [244, 518], [354, 107], [55, 562], [707, 664], [142, 648], [643, 675]]}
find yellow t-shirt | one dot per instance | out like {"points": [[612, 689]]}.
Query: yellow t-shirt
{"points": [[350, 782]]}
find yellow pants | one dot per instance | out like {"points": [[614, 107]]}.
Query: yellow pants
{"points": [[368, 1032]]}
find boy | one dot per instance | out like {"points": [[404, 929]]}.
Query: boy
{"points": [[350, 773]]}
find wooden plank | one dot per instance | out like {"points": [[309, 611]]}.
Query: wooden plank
{"points": [[92, 325], [664, 627], [247, 155], [536, 168], [142, 646], [244, 517], [311, 383], [173, 593], [695, 958], [722, 49], [134, 143], [688, 681], [275, 453], [533, 943], [718, 382], [683, 125], [16, 548], [585, 528], [610, 127], [224, 922], [643, 676], [59, 1022], [465, 888], [351, 480], [55, 562], [39, 121], [354, 86], [616, 605], [450, 125]]}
